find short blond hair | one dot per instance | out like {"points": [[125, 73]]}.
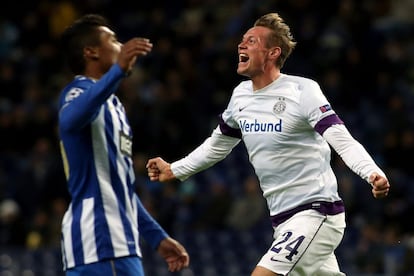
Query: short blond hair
{"points": [[280, 35]]}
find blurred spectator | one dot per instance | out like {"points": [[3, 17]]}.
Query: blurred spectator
{"points": [[12, 228], [248, 208], [361, 52], [215, 206]]}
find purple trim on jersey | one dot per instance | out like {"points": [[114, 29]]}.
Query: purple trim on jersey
{"points": [[325, 208], [326, 122], [227, 130]]}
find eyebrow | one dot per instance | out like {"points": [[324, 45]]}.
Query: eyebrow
{"points": [[248, 37]]}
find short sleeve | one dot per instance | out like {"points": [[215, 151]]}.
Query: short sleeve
{"points": [[314, 104]]}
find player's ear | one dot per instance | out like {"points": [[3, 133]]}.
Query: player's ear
{"points": [[275, 52], [91, 52]]}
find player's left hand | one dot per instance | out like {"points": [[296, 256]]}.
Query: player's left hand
{"points": [[174, 254], [380, 185]]}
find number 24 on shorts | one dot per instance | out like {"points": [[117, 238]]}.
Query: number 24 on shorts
{"points": [[286, 243]]}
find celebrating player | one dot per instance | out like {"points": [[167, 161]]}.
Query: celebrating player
{"points": [[105, 219], [287, 125]]}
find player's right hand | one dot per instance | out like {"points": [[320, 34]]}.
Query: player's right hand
{"points": [[159, 170], [132, 49]]}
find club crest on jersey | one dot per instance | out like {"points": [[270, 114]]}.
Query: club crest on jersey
{"points": [[279, 106], [325, 108]]}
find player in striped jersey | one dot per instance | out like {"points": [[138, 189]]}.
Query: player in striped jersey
{"points": [[102, 227], [287, 125]]}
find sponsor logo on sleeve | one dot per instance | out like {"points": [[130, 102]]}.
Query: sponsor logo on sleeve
{"points": [[72, 94], [325, 108]]}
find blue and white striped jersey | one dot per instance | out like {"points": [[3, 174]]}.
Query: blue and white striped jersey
{"points": [[104, 215]]}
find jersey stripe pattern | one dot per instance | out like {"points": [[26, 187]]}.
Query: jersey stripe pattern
{"points": [[102, 219]]}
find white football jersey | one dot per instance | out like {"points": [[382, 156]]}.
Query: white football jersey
{"points": [[277, 123], [282, 126]]}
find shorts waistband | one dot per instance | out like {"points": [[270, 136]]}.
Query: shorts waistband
{"points": [[324, 207]]}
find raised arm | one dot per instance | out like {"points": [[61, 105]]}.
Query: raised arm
{"points": [[357, 159], [214, 149]]}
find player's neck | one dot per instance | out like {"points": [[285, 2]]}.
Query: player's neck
{"points": [[263, 80], [93, 71]]}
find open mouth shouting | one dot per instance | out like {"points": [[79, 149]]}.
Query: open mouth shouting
{"points": [[243, 58]]}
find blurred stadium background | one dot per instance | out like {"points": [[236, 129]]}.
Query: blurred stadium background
{"points": [[361, 52]]}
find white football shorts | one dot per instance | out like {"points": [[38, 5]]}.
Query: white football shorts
{"points": [[305, 244]]}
